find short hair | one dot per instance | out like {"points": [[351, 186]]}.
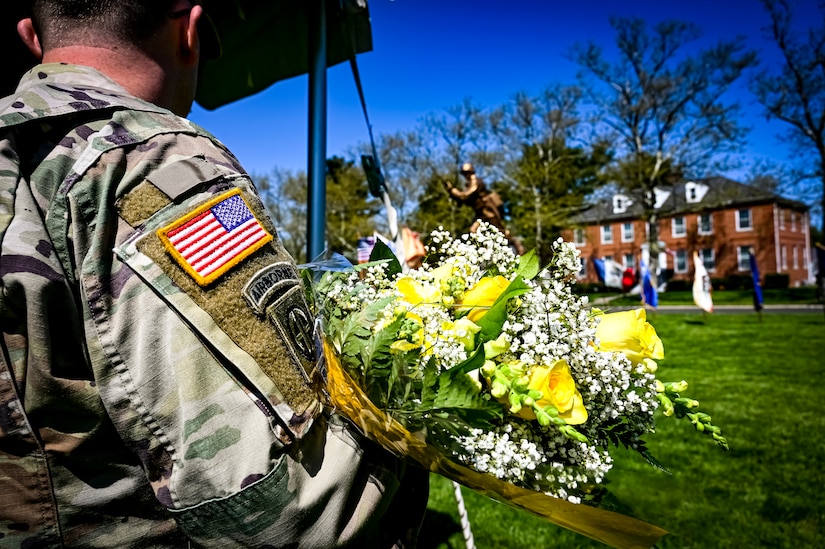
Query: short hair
{"points": [[62, 23]]}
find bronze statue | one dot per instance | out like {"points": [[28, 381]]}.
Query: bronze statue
{"points": [[486, 204]]}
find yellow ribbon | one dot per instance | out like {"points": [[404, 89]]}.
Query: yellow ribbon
{"points": [[607, 527]]}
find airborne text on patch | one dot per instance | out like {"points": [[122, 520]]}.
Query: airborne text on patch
{"points": [[269, 282], [276, 291]]}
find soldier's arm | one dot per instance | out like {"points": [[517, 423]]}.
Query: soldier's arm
{"points": [[202, 348]]}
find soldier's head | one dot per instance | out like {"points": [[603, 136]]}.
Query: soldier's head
{"points": [[173, 36], [467, 170], [100, 23]]}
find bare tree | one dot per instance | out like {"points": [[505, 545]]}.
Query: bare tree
{"points": [[795, 94], [664, 104]]}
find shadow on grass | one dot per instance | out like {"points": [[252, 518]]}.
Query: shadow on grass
{"points": [[437, 529], [695, 322]]}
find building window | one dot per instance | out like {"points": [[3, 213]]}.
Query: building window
{"points": [[743, 220], [578, 237], [781, 219], [629, 261], [627, 232], [681, 261], [708, 258], [607, 234], [795, 257], [678, 226], [705, 223], [607, 257], [784, 254], [793, 221], [743, 258]]}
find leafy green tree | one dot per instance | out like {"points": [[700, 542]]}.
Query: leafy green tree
{"points": [[285, 196], [548, 165], [351, 210], [664, 105], [552, 182]]}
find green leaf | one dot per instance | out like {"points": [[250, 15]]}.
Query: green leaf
{"points": [[476, 360], [458, 394], [528, 265], [495, 317], [429, 385], [382, 251], [654, 462]]}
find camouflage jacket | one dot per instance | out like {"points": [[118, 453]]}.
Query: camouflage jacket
{"points": [[157, 368]]}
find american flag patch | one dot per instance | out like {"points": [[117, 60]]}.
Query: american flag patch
{"points": [[215, 237]]}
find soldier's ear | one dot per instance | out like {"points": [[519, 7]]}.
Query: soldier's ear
{"points": [[25, 29], [190, 38]]}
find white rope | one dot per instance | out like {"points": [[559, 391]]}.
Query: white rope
{"points": [[465, 521]]}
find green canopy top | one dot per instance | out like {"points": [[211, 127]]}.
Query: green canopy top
{"points": [[264, 42]]}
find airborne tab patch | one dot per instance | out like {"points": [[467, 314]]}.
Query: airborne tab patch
{"points": [[215, 237]]}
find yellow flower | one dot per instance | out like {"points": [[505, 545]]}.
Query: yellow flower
{"points": [[628, 332], [464, 331], [557, 388], [415, 292], [480, 297]]}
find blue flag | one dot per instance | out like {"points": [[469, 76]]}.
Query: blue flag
{"points": [[757, 288], [599, 265], [649, 293]]}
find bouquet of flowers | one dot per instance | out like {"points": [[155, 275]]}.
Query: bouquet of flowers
{"points": [[486, 368]]}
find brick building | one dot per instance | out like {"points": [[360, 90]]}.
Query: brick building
{"points": [[719, 218]]}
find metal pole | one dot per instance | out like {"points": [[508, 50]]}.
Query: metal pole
{"points": [[316, 172]]}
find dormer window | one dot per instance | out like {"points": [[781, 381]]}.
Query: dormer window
{"points": [[660, 197], [620, 203], [694, 192]]}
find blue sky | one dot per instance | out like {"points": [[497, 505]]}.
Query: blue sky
{"points": [[430, 54]]}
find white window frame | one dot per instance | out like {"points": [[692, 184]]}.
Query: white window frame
{"points": [[607, 234], [680, 257], [793, 221], [629, 261], [627, 237], [739, 226], [578, 236], [710, 264], [699, 223], [795, 257], [743, 260], [673, 226], [781, 218], [784, 261]]}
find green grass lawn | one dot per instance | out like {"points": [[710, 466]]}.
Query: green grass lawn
{"points": [[763, 384]]}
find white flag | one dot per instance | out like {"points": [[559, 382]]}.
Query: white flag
{"points": [[613, 274], [701, 285]]}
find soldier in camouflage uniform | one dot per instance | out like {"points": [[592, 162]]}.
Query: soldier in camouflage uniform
{"points": [[158, 374]]}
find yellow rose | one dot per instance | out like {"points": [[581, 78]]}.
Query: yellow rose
{"points": [[628, 332], [557, 388], [480, 297], [415, 292]]}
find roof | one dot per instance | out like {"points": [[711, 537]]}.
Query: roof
{"points": [[722, 193]]}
